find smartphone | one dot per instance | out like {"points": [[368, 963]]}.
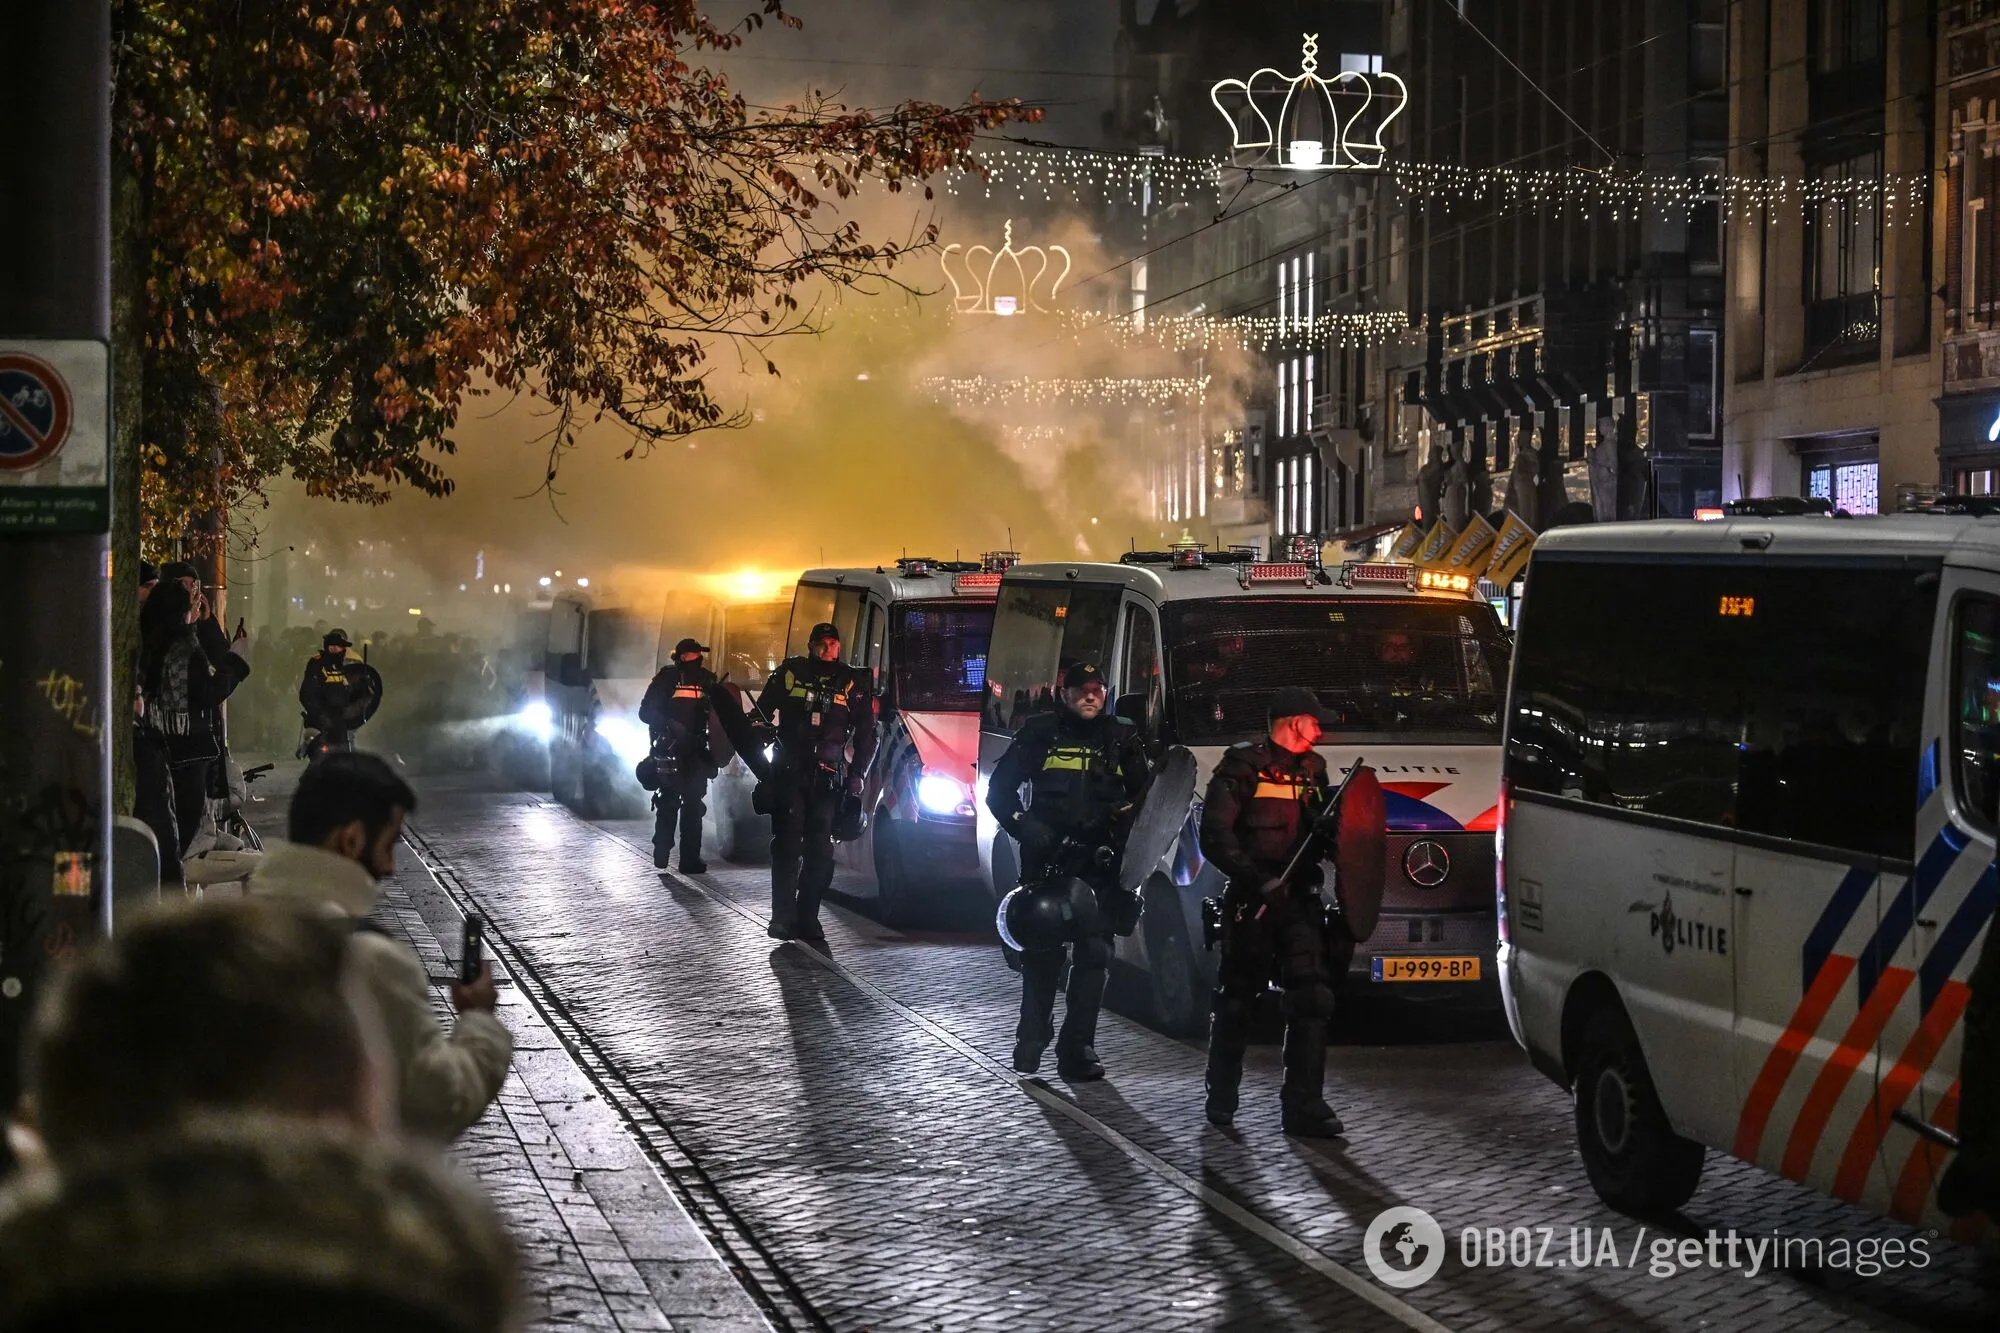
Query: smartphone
{"points": [[472, 949]]}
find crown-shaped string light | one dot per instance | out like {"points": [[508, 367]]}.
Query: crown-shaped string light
{"points": [[1319, 125], [977, 295]]}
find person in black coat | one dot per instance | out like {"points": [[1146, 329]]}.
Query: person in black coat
{"points": [[1083, 770], [677, 709], [184, 691], [824, 714]]}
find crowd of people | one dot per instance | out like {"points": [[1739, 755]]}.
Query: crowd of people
{"points": [[234, 1109]]}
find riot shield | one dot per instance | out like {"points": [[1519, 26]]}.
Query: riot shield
{"points": [[1160, 818], [1360, 851], [364, 694]]}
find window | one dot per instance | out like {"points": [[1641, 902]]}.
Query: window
{"points": [[1975, 481], [1139, 674], [866, 650], [1844, 233], [1038, 630], [1283, 366], [1845, 33], [1702, 369], [1312, 389], [1975, 728], [812, 604], [1853, 487], [940, 655], [1384, 668], [1783, 700], [753, 642], [623, 645]]}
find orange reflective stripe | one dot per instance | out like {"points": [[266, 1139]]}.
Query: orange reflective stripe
{"points": [[687, 692]]}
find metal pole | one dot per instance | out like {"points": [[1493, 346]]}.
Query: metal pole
{"points": [[55, 643]]}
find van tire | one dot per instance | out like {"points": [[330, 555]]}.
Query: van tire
{"points": [[1635, 1161], [1173, 977]]}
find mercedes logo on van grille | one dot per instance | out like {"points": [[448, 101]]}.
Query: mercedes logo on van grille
{"points": [[1427, 863]]}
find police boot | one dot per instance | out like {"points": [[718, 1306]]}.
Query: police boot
{"points": [[1228, 1035], [691, 813], [1306, 1112], [784, 897], [1076, 1048], [1039, 970], [805, 918]]}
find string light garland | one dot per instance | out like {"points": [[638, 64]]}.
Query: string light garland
{"points": [[980, 391], [1252, 333], [1051, 174]]}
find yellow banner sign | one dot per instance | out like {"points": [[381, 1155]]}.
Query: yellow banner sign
{"points": [[1467, 553], [1433, 544], [1510, 551], [1406, 542]]}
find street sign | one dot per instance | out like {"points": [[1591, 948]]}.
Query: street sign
{"points": [[55, 436]]}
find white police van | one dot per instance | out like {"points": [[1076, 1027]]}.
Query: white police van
{"points": [[1747, 841], [1194, 644]]}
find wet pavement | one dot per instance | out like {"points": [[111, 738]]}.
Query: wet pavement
{"points": [[841, 1126]]}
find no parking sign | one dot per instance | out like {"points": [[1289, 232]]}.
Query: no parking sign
{"points": [[55, 428]]}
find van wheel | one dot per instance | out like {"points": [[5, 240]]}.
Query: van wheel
{"points": [[1180, 1006], [1636, 1163]]}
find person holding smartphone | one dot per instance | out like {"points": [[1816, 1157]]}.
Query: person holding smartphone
{"points": [[346, 818]]}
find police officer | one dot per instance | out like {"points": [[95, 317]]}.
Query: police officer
{"points": [[677, 708], [1084, 770], [823, 713], [326, 692], [1260, 806]]}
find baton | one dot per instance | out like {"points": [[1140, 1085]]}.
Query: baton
{"points": [[1923, 1129]]}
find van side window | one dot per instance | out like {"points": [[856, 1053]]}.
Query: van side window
{"points": [[1975, 737], [1139, 674], [811, 605], [1038, 630], [1783, 700]]}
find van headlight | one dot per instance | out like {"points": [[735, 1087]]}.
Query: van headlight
{"points": [[942, 794], [539, 721], [627, 736]]}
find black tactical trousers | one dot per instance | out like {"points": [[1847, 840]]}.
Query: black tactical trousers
{"points": [[682, 798], [802, 846], [1089, 974], [1288, 942]]}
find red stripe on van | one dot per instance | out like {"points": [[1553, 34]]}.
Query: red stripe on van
{"points": [[1486, 823], [1855, 1046], [1784, 1056], [1895, 1089]]}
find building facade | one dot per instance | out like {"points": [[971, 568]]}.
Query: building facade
{"points": [[1833, 366]]}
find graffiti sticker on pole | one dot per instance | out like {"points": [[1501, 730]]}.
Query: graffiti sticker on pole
{"points": [[55, 434]]}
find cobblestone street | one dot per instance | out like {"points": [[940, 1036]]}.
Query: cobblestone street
{"points": [[842, 1129]]}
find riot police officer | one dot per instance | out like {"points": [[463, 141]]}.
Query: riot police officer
{"points": [[677, 708], [1260, 806], [336, 695], [823, 713], [1083, 769]]}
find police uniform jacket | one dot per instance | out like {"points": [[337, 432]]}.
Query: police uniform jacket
{"points": [[681, 702], [820, 709], [1261, 800], [1078, 772], [325, 691]]}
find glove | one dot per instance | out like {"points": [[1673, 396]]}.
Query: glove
{"points": [[856, 784], [1275, 887], [1035, 837]]}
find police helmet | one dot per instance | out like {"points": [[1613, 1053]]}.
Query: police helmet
{"points": [[1046, 915], [647, 771]]}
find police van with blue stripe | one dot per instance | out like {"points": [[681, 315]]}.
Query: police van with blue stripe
{"points": [[1747, 835], [1410, 663]]}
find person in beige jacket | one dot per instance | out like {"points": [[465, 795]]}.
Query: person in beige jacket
{"points": [[346, 818]]}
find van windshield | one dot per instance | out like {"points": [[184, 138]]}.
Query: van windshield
{"points": [[939, 651], [1386, 668], [756, 641]]}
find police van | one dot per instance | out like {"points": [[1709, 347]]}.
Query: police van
{"points": [[746, 641], [601, 659], [1749, 789], [921, 628], [1410, 662]]}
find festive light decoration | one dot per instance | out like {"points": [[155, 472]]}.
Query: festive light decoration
{"points": [[979, 391], [1320, 125], [1255, 333], [1057, 174], [977, 295]]}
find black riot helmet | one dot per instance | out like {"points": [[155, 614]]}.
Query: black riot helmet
{"points": [[1046, 915]]}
